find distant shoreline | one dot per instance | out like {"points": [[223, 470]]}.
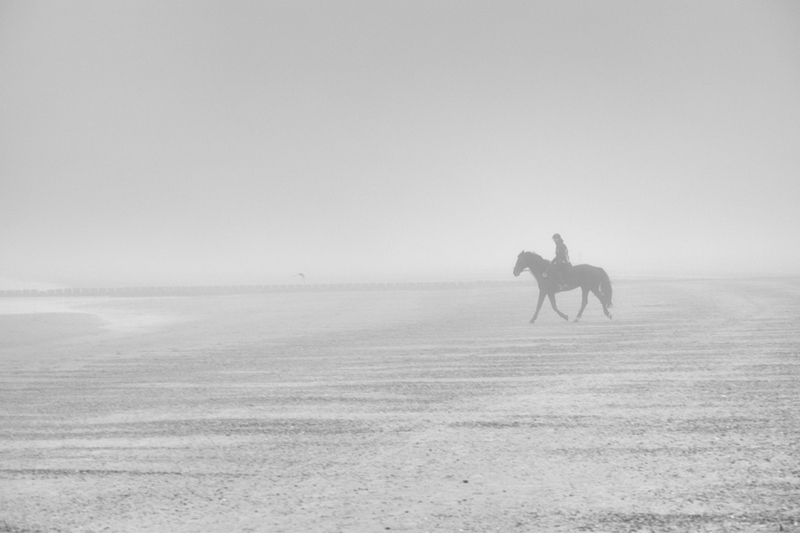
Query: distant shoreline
{"points": [[200, 290]]}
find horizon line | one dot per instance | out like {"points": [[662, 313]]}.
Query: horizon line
{"points": [[190, 290]]}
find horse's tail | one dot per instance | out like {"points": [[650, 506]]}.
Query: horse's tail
{"points": [[605, 287]]}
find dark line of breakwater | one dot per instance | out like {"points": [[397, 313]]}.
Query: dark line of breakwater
{"points": [[252, 289]]}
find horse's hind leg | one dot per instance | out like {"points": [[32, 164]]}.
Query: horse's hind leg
{"points": [[602, 302], [584, 301]]}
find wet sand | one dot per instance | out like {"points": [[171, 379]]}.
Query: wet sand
{"points": [[405, 411], [24, 329]]}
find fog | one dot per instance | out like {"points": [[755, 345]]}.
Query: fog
{"points": [[188, 143]]}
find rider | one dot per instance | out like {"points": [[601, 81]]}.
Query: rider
{"points": [[561, 260]]}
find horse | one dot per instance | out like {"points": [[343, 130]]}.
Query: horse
{"points": [[587, 277]]}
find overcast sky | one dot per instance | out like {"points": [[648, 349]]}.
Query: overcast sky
{"points": [[243, 142]]}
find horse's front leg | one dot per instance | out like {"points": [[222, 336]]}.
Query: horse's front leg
{"points": [[602, 302], [584, 301], [555, 307], [538, 306]]}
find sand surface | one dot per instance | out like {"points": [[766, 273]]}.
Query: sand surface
{"points": [[404, 411]]}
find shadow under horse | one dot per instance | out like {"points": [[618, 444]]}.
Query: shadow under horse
{"points": [[587, 277]]}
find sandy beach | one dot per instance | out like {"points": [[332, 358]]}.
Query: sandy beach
{"points": [[404, 411]]}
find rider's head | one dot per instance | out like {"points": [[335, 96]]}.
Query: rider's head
{"points": [[556, 237]]}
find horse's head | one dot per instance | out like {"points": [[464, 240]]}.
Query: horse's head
{"points": [[522, 263], [528, 260]]}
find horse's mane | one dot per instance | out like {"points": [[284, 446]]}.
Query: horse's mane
{"points": [[536, 256]]}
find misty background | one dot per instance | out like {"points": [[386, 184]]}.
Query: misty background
{"points": [[150, 142]]}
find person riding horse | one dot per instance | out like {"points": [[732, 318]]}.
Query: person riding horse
{"points": [[561, 261]]}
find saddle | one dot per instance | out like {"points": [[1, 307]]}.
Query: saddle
{"points": [[556, 271]]}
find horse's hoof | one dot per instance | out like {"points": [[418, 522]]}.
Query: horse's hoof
{"points": [[576, 320], [533, 321]]}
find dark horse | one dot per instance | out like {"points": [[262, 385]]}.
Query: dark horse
{"points": [[587, 277]]}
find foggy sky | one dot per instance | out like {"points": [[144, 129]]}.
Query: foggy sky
{"points": [[243, 142]]}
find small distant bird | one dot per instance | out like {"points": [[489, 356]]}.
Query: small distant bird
{"points": [[302, 276]]}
